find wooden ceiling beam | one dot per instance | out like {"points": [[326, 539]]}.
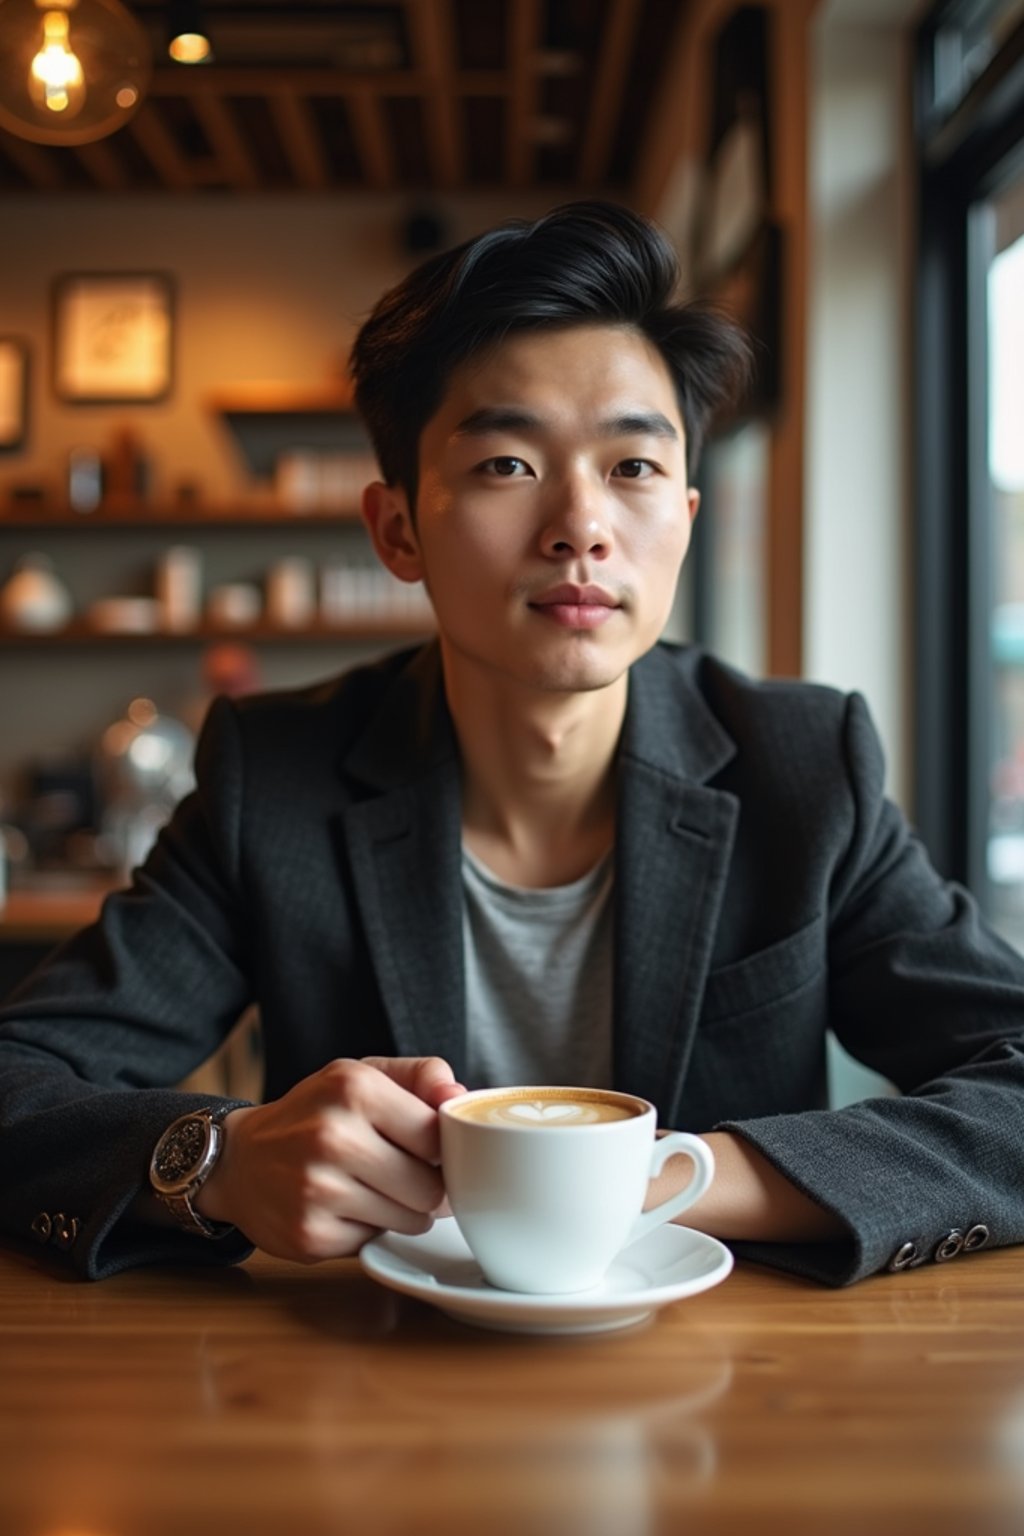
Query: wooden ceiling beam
{"points": [[558, 62], [372, 143], [156, 142], [606, 95], [523, 51], [38, 165], [208, 172], [298, 131], [433, 32], [103, 165], [239, 80], [677, 122], [218, 123]]}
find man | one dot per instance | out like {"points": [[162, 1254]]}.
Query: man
{"points": [[545, 848]]}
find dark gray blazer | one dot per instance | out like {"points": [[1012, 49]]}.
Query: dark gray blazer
{"points": [[765, 890]]}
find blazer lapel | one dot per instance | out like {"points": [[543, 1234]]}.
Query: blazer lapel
{"points": [[403, 845], [673, 845], [402, 835]]}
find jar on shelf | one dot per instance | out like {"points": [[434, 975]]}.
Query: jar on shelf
{"points": [[33, 598]]}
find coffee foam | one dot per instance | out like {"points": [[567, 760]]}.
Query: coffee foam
{"points": [[533, 1109]]}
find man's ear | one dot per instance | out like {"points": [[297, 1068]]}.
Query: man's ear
{"points": [[389, 523]]}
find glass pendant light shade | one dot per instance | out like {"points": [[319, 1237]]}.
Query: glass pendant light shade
{"points": [[70, 70]]}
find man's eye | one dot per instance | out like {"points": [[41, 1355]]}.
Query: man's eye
{"points": [[634, 469], [505, 465]]}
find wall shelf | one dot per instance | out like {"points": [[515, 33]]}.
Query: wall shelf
{"points": [[213, 519], [165, 525], [395, 627], [267, 420]]}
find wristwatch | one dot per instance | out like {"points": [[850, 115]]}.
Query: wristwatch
{"points": [[182, 1161]]}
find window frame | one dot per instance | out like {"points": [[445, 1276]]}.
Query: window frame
{"points": [[967, 151]]}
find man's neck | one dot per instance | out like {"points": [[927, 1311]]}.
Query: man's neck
{"points": [[538, 803]]}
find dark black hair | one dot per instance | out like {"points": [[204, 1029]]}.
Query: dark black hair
{"points": [[586, 263]]}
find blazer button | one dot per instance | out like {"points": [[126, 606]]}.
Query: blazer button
{"points": [[976, 1238], [903, 1258], [950, 1246], [42, 1226], [65, 1234]]}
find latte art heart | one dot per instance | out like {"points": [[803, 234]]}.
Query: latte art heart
{"points": [[545, 1111]]}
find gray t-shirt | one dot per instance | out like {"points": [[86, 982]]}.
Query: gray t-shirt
{"points": [[538, 979]]}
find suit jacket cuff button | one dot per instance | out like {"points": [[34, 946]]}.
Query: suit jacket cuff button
{"points": [[949, 1246], [903, 1258], [41, 1227]]}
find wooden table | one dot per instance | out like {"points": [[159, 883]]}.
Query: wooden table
{"points": [[33, 921], [45, 916], [274, 1399]]}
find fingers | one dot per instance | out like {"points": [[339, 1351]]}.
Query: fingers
{"points": [[347, 1147], [448, 1091], [430, 1078], [368, 1096], [346, 1199]]}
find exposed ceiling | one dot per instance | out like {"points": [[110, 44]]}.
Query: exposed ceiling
{"points": [[410, 95]]}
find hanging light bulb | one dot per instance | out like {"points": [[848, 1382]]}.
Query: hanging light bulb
{"points": [[55, 78], [189, 48], [188, 41], [70, 70]]}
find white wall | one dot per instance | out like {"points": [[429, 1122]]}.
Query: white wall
{"points": [[858, 426], [856, 602]]}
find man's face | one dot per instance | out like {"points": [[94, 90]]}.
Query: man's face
{"points": [[553, 512]]}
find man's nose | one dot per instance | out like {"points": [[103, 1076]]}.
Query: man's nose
{"points": [[577, 522]]}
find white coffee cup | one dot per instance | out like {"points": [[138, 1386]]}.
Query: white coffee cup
{"points": [[547, 1184]]}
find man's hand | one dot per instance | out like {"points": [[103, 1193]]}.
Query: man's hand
{"points": [[347, 1152]]}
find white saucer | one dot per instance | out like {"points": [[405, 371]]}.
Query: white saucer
{"points": [[667, 1265]]}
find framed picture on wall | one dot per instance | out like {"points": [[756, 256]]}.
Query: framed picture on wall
{"points": [[13, 393], [113, 337]]}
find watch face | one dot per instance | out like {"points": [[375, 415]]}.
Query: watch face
{"points": [[180, 1151]]}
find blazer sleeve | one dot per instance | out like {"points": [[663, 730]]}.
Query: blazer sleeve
{"points": [[91, 1043], [924, 992]]}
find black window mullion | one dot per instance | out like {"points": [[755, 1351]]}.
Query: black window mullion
{"points": [[940, 765], [980, 552]]}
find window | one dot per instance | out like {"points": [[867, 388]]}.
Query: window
{"points": [[969, 545]]}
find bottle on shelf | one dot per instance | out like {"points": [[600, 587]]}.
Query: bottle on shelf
{"points": [[127, 475], [179, 579], [85, 480], [291, 593]]}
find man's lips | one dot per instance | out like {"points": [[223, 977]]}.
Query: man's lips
{"points": [[576, 607]]}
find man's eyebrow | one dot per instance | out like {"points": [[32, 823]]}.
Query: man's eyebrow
{"points": [[498, 418], [510, 418], [639, 424]]}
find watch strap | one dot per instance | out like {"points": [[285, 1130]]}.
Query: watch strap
{"points": [[191, 1220]]}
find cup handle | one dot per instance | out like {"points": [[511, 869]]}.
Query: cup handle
{"points": [[703, 1172]]}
